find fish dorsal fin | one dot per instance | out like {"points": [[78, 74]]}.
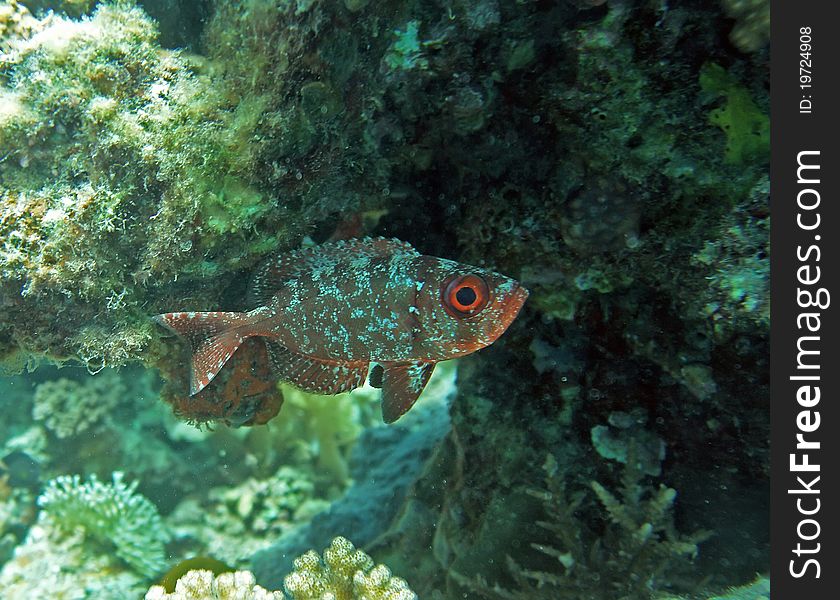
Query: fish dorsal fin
{"points": [[274, 272], [401, 386], [313, 375]]}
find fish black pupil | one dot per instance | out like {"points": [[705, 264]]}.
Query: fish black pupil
{"points": [[465, 296]]}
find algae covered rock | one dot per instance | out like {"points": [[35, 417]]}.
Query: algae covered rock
{"points": [[125, 166]]}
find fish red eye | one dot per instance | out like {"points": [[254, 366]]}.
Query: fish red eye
{"points": [[465, 295]]}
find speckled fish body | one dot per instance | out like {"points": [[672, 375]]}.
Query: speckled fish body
{"points": [[326, 313]]}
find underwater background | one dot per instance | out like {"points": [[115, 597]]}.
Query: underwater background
{"points": [[610, 155]]}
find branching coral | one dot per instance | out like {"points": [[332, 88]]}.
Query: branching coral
{"points": [[110, 513], [203, 585], [345, 573]]}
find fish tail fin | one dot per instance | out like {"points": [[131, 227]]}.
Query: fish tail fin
{"points": [[213, 338]]}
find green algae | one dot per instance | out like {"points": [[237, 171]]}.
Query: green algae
{"points": [[747, 128], [205, 563], [407, 51]]}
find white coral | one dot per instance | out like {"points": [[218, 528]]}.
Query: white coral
{"points": [[203, 585], [379, 583]]}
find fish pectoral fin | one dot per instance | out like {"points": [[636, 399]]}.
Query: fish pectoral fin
{"points": [[213, 338], [401, 386], [313, 375]]}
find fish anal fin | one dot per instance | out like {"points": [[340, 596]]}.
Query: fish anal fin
{"points": [[313, 375], [401, 386]]}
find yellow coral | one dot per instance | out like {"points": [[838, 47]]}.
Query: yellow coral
{"points": [[15, 20], [344, 574]]}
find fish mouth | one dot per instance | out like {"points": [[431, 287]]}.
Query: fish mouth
{"points": [[506, 308], [512, 303], [515, 300]]}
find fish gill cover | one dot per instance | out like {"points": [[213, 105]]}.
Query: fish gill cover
{"points": [[609, 155]]}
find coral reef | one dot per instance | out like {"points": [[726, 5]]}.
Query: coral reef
{"points": [[15, 21], [17, 511], [610, 155], [593, 533], [602, 217], [111, 421], [757, 590], [328, 424], [739, 264], [624, 437], [110, 513], [406, 52]]}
